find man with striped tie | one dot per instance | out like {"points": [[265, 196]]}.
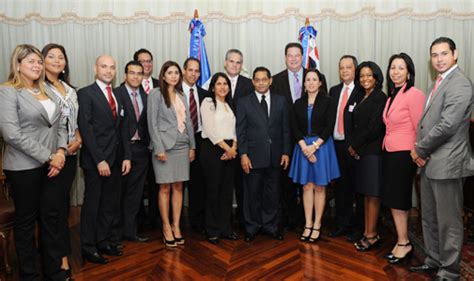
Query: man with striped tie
{"points": [[194, 96]]}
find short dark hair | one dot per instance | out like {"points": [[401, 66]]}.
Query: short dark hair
{"points": [[440, 40], [353, 58], [141, 51], [262, 68], [133, 62], [410, 68], [185, 64], [323, 88], [377, 73], [293, 45]]}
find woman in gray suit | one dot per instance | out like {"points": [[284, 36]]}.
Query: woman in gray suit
{"points": [[35, 135], [172, 143]]}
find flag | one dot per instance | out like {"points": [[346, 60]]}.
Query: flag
{"points": [[197, 49], [307, 37]]}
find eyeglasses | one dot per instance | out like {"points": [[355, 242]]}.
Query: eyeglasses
{"points": [[146, 61]]}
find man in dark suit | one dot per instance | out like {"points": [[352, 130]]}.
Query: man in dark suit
{"points": [[240, 87], [145, 57], [194, 96], [289, 83], [443, 151], [134, 99], [346, 94], [105, 157], [263, 138]]}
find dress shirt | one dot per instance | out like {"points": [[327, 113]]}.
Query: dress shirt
{"points": [[218, 122], [49, 106], [338, 136], [196, 99], [103, 87], [443, 76], [291, 78], [267, 99], [139, 97], [151, 83], [233, 83]]}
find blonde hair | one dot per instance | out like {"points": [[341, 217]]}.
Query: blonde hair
{"points": [[15, 79]]}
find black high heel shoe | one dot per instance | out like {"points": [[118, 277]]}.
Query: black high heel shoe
{"points": [[397, 260], [169, 243], [305, 238], [179, 240], [389, 256], [364, 245], [313, 240]]}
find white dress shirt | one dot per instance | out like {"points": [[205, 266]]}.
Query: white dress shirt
{"points": [[103, 87], [267, 99], [336, 134], [186, 89], [218, 122]]}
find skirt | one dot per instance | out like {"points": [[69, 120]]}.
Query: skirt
{"points": [[320, 173], [368, 175], [398, 174], [176, 167]]}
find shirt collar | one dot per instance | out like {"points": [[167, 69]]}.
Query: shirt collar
{"points": [[102, 85], [447, 72]]}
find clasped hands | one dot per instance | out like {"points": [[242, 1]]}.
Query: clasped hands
{"points": [[308, 152], [420, 162], [56, 163]]}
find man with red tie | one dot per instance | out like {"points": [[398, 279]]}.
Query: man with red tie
{"points": [[194, 96], [146, 59], [105, 157], [346, 95]]}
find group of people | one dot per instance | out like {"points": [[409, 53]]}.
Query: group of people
{"points": [[268, 138]]}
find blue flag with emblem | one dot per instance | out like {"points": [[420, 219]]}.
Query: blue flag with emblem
{"points": [[197, 49]]}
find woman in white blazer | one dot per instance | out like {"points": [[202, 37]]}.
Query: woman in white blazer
{"points": [[34, 132]]}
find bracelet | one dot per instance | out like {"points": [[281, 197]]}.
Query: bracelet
{"points": [[316, 145]]}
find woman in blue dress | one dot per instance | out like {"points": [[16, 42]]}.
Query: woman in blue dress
{"points": [[314, 162]]}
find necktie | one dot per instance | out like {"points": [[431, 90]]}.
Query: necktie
{"points": [[137, 114], [435, 87], [340, 117], [147, 86], [264, 105], [296, 87], [112, 104], [193, 109]]}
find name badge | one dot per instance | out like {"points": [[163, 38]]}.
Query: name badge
{"points": [[122, 112], [65, 111], [351, 108]]}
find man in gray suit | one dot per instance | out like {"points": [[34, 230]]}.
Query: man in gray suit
{"points": [[444, 153]]}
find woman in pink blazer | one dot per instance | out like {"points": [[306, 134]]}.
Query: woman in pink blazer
{"points": [[401, 115]]}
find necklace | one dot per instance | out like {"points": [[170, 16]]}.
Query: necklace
{"points": [[34, 91]]}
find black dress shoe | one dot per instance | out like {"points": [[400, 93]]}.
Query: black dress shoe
{"points": [[111, 251], [94, 258], [396, 260], [232, 236], [249, 237], [277, 236], [213, 240], [137, 238], [423, 268], [439, 278], [338, 232]]}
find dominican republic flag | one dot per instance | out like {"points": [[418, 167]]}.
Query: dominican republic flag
{"points": [[197, 49], [307, 37]]}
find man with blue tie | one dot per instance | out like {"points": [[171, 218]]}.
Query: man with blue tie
{"points": [[134, 99], [289, 83]]}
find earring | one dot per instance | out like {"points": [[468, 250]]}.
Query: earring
{"points": [[64, 71]]}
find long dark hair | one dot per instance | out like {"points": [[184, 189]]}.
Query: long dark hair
{"points": [[376, 72], [410, 68], [323, 88], [164, 85], [64, 75], [212, 85]]}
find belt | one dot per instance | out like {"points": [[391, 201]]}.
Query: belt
{"points": [[135, 141]]}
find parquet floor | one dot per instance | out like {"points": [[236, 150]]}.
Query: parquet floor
{"points": [[262, 259]]}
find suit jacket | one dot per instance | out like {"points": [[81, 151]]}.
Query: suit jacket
{"points": [[163, 123], [202, 94], [356, 96], [368, 129], [30, 136], [103, 137], [244, 87], [156, 82], [443, 130], [322, 117], [132, 123], [402, 119], [263, 139], [281, 85]]}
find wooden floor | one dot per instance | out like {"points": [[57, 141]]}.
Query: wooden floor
{"points": [[264, 258]]}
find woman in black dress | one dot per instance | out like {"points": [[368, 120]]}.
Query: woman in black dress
{"points": [[368, 131]]}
